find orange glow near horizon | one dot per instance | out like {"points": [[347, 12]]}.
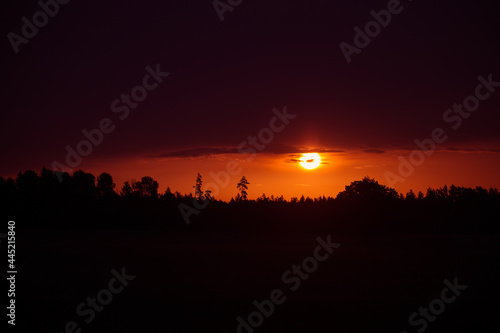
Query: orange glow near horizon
{"points": [[281, 174]]}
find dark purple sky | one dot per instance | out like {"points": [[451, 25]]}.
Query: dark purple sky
{"points": [[225, 77]]}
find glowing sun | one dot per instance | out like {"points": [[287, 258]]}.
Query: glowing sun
{"points": [[310, 160]]}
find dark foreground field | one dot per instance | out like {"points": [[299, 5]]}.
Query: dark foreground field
{"points": [[202, 281]]}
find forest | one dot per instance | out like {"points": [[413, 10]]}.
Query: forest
{"points": [[84, 201]]}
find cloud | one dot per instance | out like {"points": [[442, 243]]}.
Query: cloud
{"points": [[406, 149], [295, 152], [374, 151], [303, 185], [198, 152], [279, 149], [369, 166], [471, 150]]}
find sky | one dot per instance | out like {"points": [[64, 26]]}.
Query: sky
{"points": [[212, 84]]}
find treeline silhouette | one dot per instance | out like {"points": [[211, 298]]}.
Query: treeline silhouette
{"points": [[83, 201]]}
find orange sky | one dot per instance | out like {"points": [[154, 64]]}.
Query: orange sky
{"points": [[273, 174]]}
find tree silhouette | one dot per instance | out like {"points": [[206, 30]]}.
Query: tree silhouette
{"points": [[411, 195], [105, 185], [47, 182], [367, 189], [84, 184], [263, 198], [420, 195], [27, 184], [7, 190], [147, 187], [126, 190], [198, 193], [242, 187], [168, 195], [208, 195]]}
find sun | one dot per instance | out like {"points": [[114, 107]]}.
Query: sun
{"points": [[310, 160]]}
